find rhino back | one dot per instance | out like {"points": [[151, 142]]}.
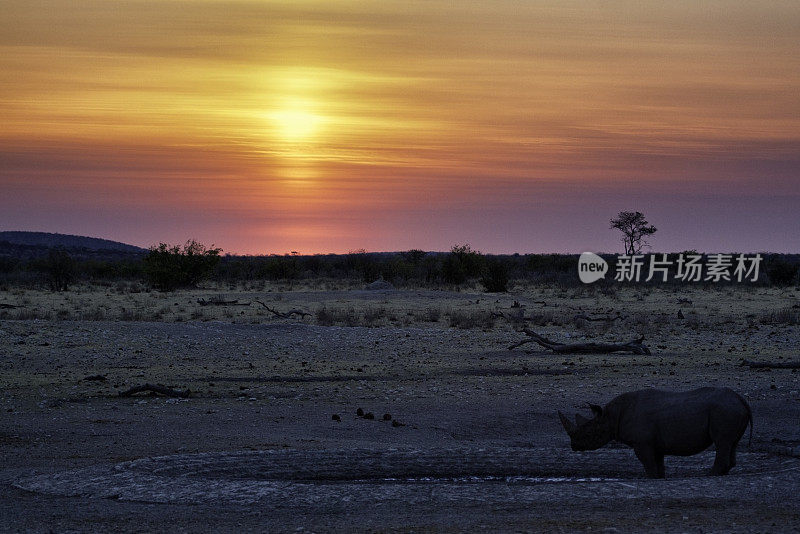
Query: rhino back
{"points": [[677, 423]]}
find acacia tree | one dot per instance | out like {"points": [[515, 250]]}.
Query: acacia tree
{"points": [[634, 228]]}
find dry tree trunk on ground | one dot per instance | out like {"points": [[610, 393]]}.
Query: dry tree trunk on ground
{"points": [[286, 315], [218, 302], [635, 346]]}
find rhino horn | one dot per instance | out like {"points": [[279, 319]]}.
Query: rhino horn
{"points": [[580, 420], [568, 426], [596, 410]]}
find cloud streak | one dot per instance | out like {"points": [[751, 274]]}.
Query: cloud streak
{"points": [[399, 124]]}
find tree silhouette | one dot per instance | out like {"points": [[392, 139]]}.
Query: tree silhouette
{"points": [[171, 267], [60, 269], [634, 228]]}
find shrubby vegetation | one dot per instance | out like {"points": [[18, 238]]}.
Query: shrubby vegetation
{"points": [[171, 267], [496, 278], [166, 267], [782, 272], [56, 268]]}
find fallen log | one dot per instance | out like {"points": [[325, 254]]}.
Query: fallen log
{"points": [[220, 302], [284, 315], [635, 346], [770, 365], [153, 388]]}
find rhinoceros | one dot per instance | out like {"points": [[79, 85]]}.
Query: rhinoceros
{"points": [[658, 423]]}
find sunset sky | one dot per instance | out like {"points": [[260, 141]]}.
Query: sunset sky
{"points": [[327, 126]]}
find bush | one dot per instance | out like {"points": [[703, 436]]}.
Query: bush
{"points": [[171, 267], [496, 278], [60, 269], [281, 268], [364, 265], [781, 272], [461, 264]]}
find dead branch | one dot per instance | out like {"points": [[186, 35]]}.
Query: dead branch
{"points": [[284, 315], [220, 302], [4, 306], [156, 389], [635, 346], [770, 365]]}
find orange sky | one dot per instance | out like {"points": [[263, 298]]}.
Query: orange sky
{"points": [[323, 126]]}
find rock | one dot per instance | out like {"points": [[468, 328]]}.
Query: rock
{"points": [[369, 415], [379, 285], [335, 417], [397, 423], [360, 412], [387, 417]]}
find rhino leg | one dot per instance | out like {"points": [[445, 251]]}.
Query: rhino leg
{"points": [[732, 458], [660, 465], [652, 461], [724, 459], [726, 429]]}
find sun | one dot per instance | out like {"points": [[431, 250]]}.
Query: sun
{"points": [[295, 123]]}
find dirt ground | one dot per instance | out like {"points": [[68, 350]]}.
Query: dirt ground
{"points": [[477, 444]]}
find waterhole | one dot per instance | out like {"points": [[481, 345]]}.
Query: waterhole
{"points": [[315, 477]]}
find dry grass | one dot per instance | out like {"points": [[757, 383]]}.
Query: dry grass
{"points": [[469, 319], [641, 310]]}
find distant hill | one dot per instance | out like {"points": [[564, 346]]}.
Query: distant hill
{"points": [[45, 239]]}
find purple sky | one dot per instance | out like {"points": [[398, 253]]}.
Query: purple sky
{"points": [[266, 127]]}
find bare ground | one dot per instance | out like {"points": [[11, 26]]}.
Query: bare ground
{"points": [[480, 448]]}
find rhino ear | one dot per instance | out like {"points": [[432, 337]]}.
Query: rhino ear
{"points": [[596, 410], [568, 426], [580, 420]]}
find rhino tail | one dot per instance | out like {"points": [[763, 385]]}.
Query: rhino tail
{"points": [[750, 420]]}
